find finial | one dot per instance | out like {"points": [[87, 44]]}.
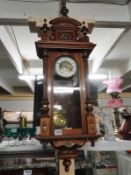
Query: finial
{"points": [[63, 10], [84, 28]]}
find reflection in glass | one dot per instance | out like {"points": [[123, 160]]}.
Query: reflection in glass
{"points": [[66, 102]]}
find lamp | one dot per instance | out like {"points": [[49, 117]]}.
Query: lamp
{"points": [[113, 86], [114, 89]]}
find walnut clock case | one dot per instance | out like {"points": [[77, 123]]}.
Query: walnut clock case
{"points": [[64, 48]]}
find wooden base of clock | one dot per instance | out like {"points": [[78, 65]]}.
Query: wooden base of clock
{"points": [[68, 144]]}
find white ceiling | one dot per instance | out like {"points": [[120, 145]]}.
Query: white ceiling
{"points": [[112, 34]]}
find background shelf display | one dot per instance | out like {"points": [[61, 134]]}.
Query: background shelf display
{"points": [[38, 162], [16, 160], [105, 163]]}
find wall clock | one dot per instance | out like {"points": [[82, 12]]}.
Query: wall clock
{"points": [[64, 48], [65, 66]]}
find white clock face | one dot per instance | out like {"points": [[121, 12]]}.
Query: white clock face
{"points": [[65, 66]]}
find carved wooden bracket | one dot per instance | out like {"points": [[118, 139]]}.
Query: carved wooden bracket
{"points": [[66, 163], [66, 156]]}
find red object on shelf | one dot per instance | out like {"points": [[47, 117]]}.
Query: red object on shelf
{"points": [[115, 103], [125, 129]]}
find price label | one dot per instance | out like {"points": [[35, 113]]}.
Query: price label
{"points": [[27, 172], [58, 132]]}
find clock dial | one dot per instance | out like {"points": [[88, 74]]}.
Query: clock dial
{"points": [[65, 66]]}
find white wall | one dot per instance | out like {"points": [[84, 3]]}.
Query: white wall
{"points": [[16, 9], [103, 101], [17, 105], [129, 9], [28, 105]]}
